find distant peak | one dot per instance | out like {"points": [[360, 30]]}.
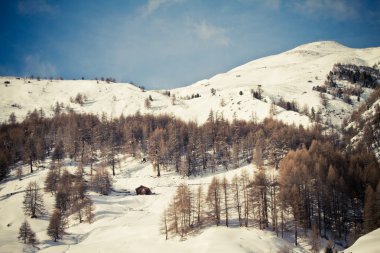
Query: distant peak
{"points": [[320, 46]]}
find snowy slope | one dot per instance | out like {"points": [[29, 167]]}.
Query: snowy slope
{"points": [[290, 75], [368, 243], [130, 223]]}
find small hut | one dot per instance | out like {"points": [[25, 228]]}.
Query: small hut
{"points": [[143, 190]]}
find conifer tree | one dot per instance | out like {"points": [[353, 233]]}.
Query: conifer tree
{"points": [[102, 182], [244, 181], [52, 178], [199, 205], [213, 199], [179, 215], [26, 234], [33, 200], [173, 218], [83, 208], [258, 154], [89, 211], [164, 227], [156, 149], [261, 185], [59, 151], [225, 187], [30, 151], [57, 223], [237, 198]]}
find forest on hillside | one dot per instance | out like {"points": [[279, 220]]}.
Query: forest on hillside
{"points": [[324, 182], [359, 77]]}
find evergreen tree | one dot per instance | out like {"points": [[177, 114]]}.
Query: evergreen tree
{"points": [[165, 228], [225, 188], [244, 181], [102, 182], [26, 234], [59, 151], [199, 205], [178, 219], [89, 211], [57, 223], [261, 184], [213, 199], [83, 208], [237, 198], [52, 178], [156, 149], [33, 200], [30, 151]]}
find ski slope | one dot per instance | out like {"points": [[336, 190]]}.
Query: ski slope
{"points": [[290, 75]]}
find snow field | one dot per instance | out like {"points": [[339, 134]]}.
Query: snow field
{"points": [[125, 222]]}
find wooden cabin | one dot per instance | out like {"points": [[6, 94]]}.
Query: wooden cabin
{"points": [[143, 190]]}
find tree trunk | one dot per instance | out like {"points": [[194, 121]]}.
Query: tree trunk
{"points": [[158, 170], [82, 153], [216, 207], [295, 233], [31, 165], [265, 207], [282, 223], [113, 167], [319, 214], [226, 204]]}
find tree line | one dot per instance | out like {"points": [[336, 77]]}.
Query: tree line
{"points": [[333, 184], [334, 194], [170, 143]]}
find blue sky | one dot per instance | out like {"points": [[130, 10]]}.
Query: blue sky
{"points": [[169, 43]]}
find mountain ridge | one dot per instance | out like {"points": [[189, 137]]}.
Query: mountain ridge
{"points": [[290, 75]]}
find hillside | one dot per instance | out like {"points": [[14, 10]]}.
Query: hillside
{"points": [[125, 222], [290, 76], [368, 243], [363, 127]]}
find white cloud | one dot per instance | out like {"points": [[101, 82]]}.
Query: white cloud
{"points": [[337, 9], [35, 66], [36, 7], [209, 32], [153, 5]]}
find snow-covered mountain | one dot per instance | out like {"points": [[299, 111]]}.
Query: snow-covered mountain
{"points": [[290, 75], [125, 222]]}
